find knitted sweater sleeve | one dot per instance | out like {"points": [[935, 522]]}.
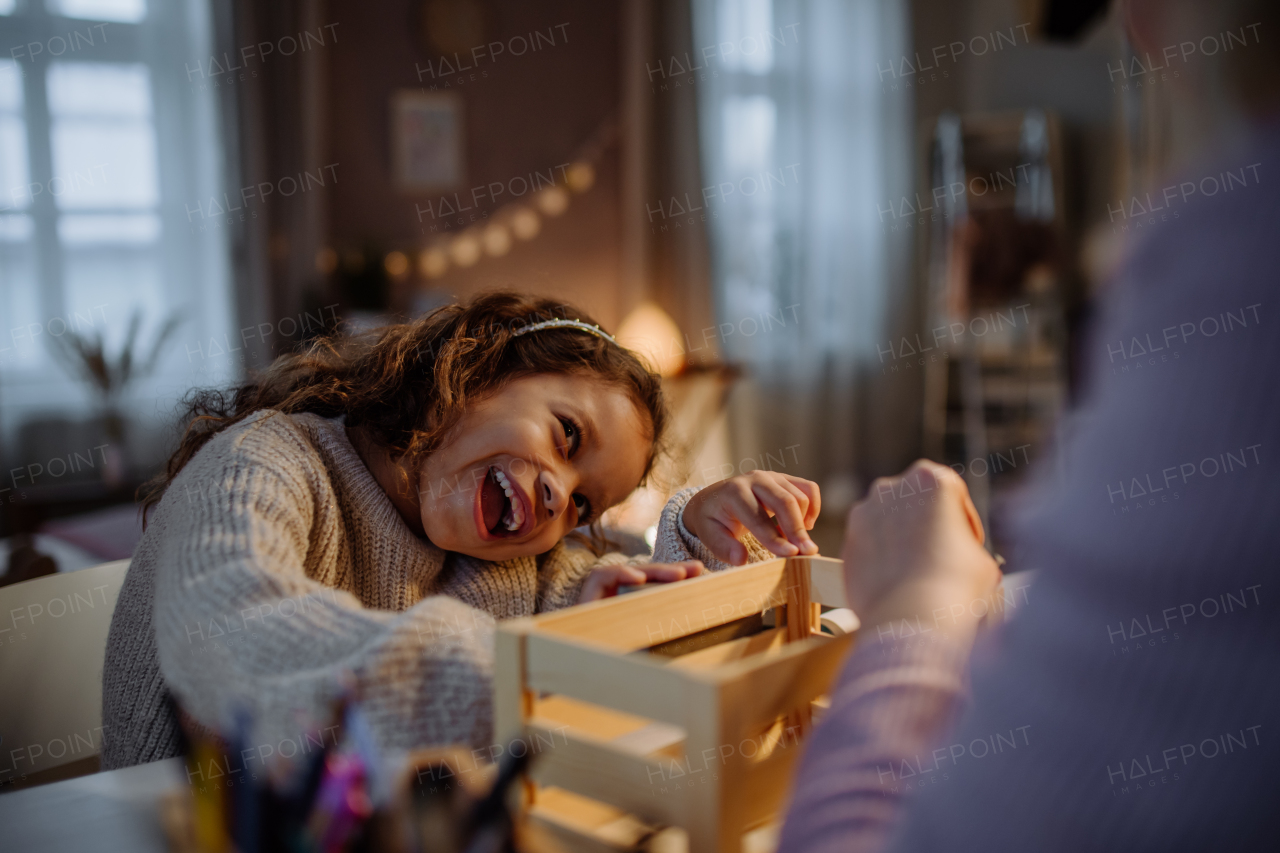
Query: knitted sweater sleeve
{"points": [[239, 625]]}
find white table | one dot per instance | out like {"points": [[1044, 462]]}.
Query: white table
{"points": [[112, 811]]}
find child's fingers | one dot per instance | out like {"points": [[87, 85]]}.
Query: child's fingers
{"points": [[810, 490], [670, 572], [603, 582], [593, 589], [663, 574], [756, 518], [787, 514], [807, 516], [722, 543]]}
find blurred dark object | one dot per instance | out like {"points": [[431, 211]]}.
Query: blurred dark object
{"points": [[362, 280], [58, 468], [111, 533], [40, 504], [452, 804], [490, 826], [453, 26], [1003, 247], [25, 562], [1068, 20]]}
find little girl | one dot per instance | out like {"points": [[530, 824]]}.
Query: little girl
{"points": [[362, 512]]}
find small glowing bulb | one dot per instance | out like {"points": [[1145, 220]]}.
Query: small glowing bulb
{"points": [[396, 264], [497, 240], [553, 201], [465, 250], [580, 176], [326, 261], [525, 223], [432, 263]]}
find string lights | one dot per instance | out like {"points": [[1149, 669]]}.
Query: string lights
{"points": [[517, 221]]}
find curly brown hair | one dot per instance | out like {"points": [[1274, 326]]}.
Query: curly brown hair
{"points": [[408, 384]]}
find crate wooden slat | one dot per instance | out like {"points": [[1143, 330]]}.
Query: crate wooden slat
{"points": [[650, 616], [706, 740]]}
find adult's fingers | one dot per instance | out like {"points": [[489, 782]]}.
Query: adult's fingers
{"points": [[948, 480], [975, 520]]}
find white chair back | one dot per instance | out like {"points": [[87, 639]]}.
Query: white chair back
{"points": [[53, 638]]}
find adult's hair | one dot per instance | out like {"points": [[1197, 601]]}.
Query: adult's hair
{"points": [[1247, 73], [408, 384]]}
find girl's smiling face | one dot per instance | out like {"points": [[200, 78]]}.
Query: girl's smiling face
{"points": [[523, 467]]}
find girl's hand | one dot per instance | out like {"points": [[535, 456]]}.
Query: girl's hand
{"points": [[778, 508], [913, 550], [604, 581]]}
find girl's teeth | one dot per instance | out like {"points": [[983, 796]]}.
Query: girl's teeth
{"points": [[514, 518], [505, 483]]}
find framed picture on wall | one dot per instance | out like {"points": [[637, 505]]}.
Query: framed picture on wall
{"points": [[426, 141]]}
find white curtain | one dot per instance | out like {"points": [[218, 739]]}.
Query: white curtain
{"points": [[110, 153], [803, 147]]}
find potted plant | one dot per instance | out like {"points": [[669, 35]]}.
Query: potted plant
{"points": [[85, 357]]}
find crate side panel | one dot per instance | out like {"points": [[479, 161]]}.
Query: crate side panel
{"points": [[761, 688], [631, 685]]}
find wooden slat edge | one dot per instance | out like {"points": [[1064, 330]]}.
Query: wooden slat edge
{"points": [[668, 611], [511, 700], [732, 650], [593, 768], [826, 581]]}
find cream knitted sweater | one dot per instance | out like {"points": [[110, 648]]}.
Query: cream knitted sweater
{"points": [[275, 573]]}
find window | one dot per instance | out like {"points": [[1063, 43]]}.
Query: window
{"points": [[100, 149], [105, 186], [799, 142], [123, 11], [17, 265], [751, 229]]}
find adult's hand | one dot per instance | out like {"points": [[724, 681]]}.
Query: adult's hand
{"points": [[913, 551]]}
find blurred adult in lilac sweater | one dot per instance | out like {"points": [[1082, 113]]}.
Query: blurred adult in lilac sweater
{"points": [[1132, 701]]}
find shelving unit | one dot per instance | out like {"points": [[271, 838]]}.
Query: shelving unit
{"points": [[994, 268]]}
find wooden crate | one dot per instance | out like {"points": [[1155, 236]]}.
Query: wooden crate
{"points": [[676, 706]]}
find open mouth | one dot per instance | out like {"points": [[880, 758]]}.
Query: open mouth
{"points": [[501, 510]]}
